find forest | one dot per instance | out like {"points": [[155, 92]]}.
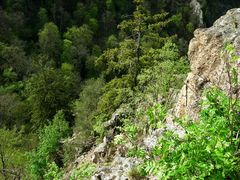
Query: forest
{"points": [[67, 66]]}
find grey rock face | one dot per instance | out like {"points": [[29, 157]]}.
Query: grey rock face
{"points": [[118, 170]]}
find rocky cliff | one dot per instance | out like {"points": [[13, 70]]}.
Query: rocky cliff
{"points": [[207, 69]]}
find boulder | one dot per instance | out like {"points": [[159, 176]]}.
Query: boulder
{"points": [[118, 170]]}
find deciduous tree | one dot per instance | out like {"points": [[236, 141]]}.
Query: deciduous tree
{"points": [[50, 42]]}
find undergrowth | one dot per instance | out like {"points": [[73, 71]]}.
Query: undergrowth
{"points": [[210, 147]]}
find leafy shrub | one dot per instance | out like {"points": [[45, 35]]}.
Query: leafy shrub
{"points": [[49, 142], [156, 115], [53, 172], [165, 75], [114, 93], [209, 149], [129, 133], [84, 171]]}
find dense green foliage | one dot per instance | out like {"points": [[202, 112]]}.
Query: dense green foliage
{"points": [[48, 146], [48, 91], [67, 66], [208, 150]]}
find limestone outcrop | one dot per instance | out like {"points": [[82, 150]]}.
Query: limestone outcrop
{"points": [[207, 67]]}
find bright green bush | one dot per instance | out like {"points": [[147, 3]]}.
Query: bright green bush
{"points": [[49, 142], [156, 115], [85, 171], [53, 172], [209, 149]]}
